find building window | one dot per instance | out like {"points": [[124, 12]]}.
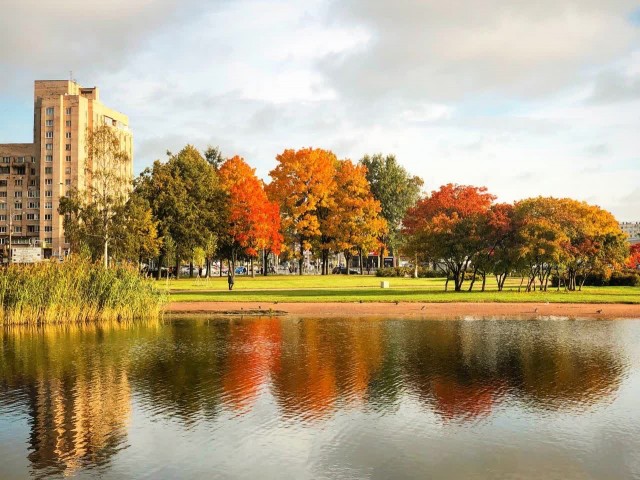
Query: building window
{"points": [[33, 205], [17, 194], [17, 229], [67, 123], [67, 135], [67, 182], [3, 183], [48, 123], [6, 159], [33, 182], [49, 111], [67, 110], [17, 217], [67, 171], [67, 158], [17, 205], [3, 229], [48, 205], [17, 182], [47, 216], [48, 193], [3, 194], [3, 206], [49, 146], [48, 181], [48, 240], [33, 228], [33, 172], [48, 228], [33, 194], [6, 170], [48, 134], [48, 158], [67, 147], [32, 216], [48, 170]]}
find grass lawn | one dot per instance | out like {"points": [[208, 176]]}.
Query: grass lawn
{"points": [[354, 288]]}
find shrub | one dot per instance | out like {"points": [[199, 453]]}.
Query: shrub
{"points": [[408, 272], [75, 290]]}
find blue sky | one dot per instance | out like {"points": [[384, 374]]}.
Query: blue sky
{"points": [[527, 98]]}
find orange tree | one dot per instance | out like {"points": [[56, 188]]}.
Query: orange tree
{"points": [[251, 223], [354, 224], [633, 261], [447, 227], [303, 185]]}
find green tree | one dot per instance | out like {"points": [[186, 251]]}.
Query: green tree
{"points": [[91, 215], [396, 190], [186, 199]]}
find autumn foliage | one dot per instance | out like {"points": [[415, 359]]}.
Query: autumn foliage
{"points": [[326, 204], [460, 230], [252, 220]]}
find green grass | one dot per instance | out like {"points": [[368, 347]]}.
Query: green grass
{"points": [[343, 288]]}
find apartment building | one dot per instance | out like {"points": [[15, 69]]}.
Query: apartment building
{"points": [[34, 176], [631, 228]]}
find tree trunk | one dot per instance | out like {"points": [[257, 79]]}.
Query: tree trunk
{"points": [[484, 280], [252, 272], [191, 269], [473, 279], [346, 260], [446, 284], [159, 274], [301, 259], [361, 269], [177, 267]]}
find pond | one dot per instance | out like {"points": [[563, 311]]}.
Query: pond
{"points": [[322, 398]]}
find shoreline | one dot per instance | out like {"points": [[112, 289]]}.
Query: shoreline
{"points": [[452, 310]]}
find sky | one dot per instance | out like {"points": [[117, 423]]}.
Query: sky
{"points": [[525, 98]]}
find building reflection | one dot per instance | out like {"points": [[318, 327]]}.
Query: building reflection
{"points": [[75, 391]]}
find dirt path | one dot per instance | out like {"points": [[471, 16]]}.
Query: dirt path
{"points": [[417, 310]]}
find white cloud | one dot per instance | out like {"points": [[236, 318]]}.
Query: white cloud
{"points": [[527, 98]]}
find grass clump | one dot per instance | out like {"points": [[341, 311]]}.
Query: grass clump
{"points": [[75, 291]]}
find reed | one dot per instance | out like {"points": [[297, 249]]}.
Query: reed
{"points": [[75, 291]]}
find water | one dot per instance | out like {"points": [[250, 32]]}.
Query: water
{"points": [[327, 398]]}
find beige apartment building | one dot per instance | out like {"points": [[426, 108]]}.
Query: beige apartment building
{"points": [[34, 176]]}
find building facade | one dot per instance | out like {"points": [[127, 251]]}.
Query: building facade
{"points": [[632, 229], [34, 176]]}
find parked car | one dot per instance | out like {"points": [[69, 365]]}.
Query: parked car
{"points": [[241, 270], [343, 271]]}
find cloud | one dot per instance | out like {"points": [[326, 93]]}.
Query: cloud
{"points": [[443, 51], [87, 36]]}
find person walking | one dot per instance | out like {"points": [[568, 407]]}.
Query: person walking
{"points": [[230, 280]]}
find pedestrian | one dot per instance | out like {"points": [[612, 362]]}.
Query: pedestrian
{"points": [[230, 280]]}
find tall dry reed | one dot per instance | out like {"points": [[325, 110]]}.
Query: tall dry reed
{"points": [[75, 291]]}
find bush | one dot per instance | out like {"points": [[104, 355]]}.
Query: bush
{"points": [[617, 279], [75, 290], [625, 279], [408, 272]]}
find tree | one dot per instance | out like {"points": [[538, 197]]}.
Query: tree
{"points": [[91, 215], [633, 261], [214, 157], [354, 223], [252, 223], [303, 185], [186, 199], [396, 190], [136, 237], [448, 226]]}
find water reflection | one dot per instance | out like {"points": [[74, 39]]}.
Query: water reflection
{"points": [[77, 386]]}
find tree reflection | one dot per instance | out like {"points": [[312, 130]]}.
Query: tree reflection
{"points": [[76, 384]]}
